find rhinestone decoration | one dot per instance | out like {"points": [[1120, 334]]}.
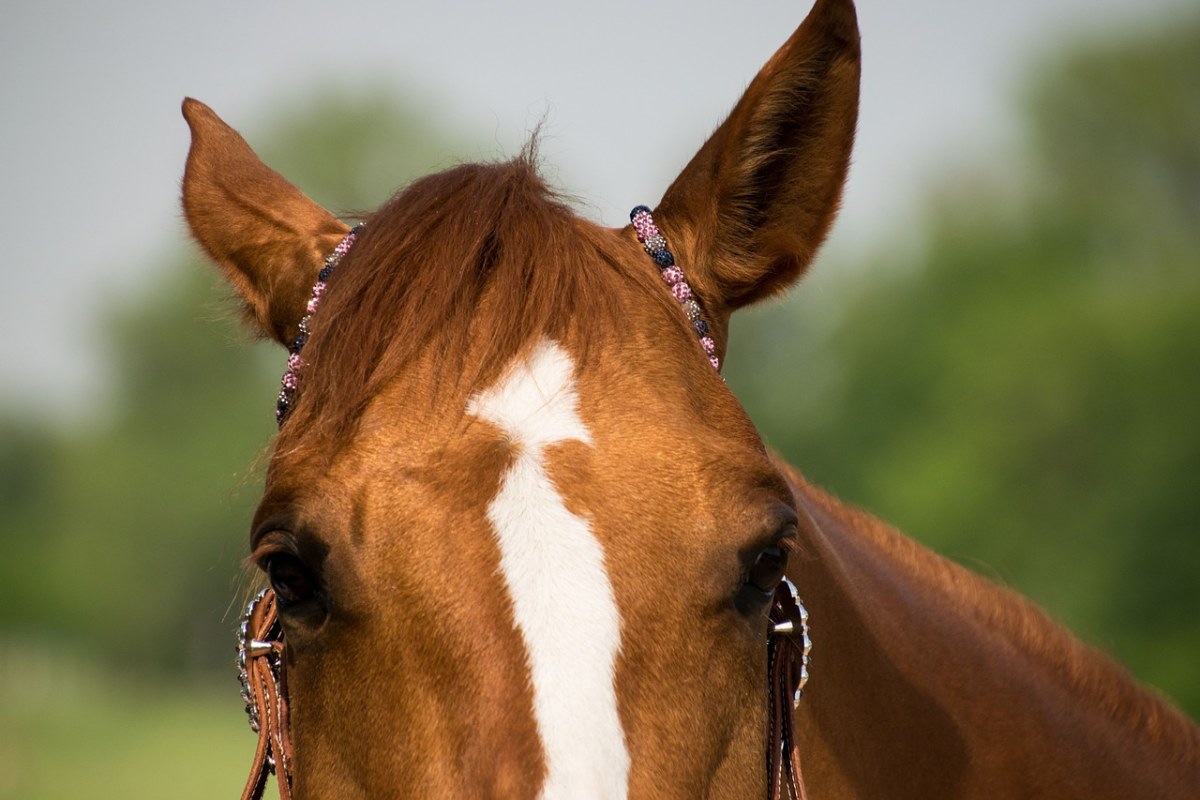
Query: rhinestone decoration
{"points": [[805, 641], [656, 245], [243, 635], [291, 379]]}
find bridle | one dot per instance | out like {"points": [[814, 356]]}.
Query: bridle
{"points": [[788, 646], [262, 657], [262, 668]]}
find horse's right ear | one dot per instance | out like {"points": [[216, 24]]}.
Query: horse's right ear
{"points": [[757, 200], [267, 236]]}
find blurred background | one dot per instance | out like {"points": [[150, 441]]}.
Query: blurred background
{"points": [[998, 350]]}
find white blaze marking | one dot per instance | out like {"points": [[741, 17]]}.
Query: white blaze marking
{"points": [[554, 568]]}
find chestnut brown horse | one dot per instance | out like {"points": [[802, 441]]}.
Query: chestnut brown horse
{"points": [[523, 539]]}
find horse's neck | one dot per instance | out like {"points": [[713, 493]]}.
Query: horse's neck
{"points": [[928, 681]]}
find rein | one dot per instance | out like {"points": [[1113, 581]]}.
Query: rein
{"points": [[262, 662]]}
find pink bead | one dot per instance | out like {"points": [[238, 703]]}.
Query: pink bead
{"points": [[644, 225], [291, 378], [654, 243]]}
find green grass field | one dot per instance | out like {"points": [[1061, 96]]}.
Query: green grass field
{"points": [[70, 731]]}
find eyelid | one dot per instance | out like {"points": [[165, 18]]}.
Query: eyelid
{"points": [[272, 543], [788, 538], [786, 517], [272, 524], [784, 529]]}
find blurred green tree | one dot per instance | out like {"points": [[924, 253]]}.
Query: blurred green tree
{"points": [[125, 538], [1022, 394]]}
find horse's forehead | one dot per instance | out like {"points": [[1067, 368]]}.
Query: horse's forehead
{"points": [[554, 571], [535, 401], [539, 489]]}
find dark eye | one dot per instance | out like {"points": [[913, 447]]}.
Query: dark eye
{"points": [[764, 574], [290, 579], [768, 569]]}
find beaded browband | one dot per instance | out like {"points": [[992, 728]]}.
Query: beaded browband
{"points": [[647, 233], [291, 378], [654, 243]]}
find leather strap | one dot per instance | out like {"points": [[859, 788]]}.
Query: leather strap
{"points": [[786, 658], [266, 679]]}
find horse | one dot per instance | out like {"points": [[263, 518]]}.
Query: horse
{"points": [[522, 541]]}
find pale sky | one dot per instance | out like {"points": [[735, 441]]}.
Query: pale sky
{"points": [[92, 143]]}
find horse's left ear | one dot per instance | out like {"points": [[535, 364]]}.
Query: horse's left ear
{"points": [[755, 203], [267, 236]]}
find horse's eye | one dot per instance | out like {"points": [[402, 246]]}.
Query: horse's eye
{"points": [[290, 579], [764, 575], [768, 569]]}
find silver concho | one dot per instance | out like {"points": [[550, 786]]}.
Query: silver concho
{"points": [[253, 647], [787, 627]]}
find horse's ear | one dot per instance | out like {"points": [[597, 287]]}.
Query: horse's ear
{"points": [[267, 236], [759, 197]]}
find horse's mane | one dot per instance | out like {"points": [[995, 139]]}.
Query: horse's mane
{"points": [[474, 262]]}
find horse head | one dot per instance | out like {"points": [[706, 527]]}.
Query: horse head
{"points": [[523, 540]]}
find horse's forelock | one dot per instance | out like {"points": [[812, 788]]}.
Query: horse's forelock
{"points": [[482, 259]]}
